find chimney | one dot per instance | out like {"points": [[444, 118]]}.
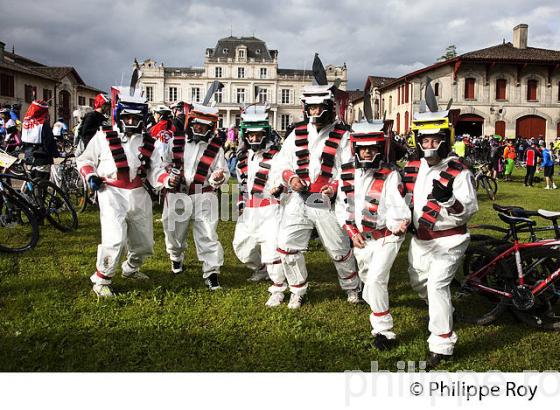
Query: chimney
{"points": [[2, 45], [520, 35]]}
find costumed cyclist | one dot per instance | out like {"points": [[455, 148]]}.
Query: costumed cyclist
{"points": [[117, 162], [443, 198], [256, 231], [309, 163], [197, 170], [376, 218]]}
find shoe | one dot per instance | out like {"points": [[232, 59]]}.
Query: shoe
{"points": [[258, 276], [554, 186], [434, 359], [176, 267], [353, 296], [547, 187], [381, 342], [136, 275], [295, 301], [212, 282], [103, 291], [275, 299]]}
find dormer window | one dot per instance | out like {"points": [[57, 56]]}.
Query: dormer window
{"points": [[225, 50], [258, 51], [241, 53]]}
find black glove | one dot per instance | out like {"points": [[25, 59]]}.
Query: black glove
{"points": [[440, 192], [95, 182]]}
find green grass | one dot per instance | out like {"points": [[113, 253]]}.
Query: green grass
{"points": [[51, 321]]}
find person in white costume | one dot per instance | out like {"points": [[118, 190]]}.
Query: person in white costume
{"points": [[377, 218], [116, 163], [255, 238], [309, 163], [444, 199], [198, 169]]}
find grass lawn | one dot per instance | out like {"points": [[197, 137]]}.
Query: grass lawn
{"points": [[50, 320]]}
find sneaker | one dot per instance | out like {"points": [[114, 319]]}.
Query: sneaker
{"points": [[353, 296], [103, 291], [212, 282], [434, 359], [275, 299], [136, 275], [547, 187], [381, 342], [295, 301], [258, 276], [176, 267], [554, 186]]}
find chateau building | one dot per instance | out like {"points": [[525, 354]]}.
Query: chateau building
{"points": [[249, 72]]}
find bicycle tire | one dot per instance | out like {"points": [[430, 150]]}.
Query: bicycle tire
{"points": [[17, 220], [55, 203]]}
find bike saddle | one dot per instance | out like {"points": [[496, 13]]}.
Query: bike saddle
{"points": [[548, 214], [507, 208], [516, 220]]}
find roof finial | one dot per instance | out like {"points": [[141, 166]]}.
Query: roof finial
{"points": [[13, 48], [231, 30], [503, 40]]}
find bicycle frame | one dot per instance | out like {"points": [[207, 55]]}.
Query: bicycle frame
{"points": [[473, 278]]}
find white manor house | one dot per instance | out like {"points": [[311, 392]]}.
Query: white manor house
{"points": [[249, 72]]}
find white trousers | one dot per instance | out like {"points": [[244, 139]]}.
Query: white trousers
{"points": [[432, 265], [298, 221], [126, 219], [374, 266], [255, 242], [202, 210]]}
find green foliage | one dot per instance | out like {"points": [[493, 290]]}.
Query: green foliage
{"points": [[50, 320]]}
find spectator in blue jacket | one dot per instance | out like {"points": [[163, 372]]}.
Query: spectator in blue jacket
{"points": [[548, 166]]}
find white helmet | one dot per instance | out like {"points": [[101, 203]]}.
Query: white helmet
{"points": [[318, 95]]}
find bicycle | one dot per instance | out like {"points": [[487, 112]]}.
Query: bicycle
{"points": [[485, 181], [517, 277], [66, 176], [19, 229], [46, 200]]}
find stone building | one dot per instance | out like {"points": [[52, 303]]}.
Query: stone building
{"points": [[23, 79], [509, 89], [249, 72]]}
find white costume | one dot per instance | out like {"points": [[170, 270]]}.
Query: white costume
{"points": [[433, 262], [256, 231], [370, 204], [195, 202], [302, 214], [125, 207]]}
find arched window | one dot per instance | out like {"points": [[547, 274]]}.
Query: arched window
{"points": [[436, 89]]}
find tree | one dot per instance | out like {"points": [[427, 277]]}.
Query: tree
{"points": [[450, 52]]}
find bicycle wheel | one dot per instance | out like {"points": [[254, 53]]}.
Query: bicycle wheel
{"points": [[472, 305], [19, 230], [487, 187], [73, 187], [56, 206]]}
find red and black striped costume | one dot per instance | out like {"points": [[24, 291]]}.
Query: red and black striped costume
{"points": [[369, 213], [432, 209]]}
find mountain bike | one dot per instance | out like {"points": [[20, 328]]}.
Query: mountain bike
{"points": [[516, 277], [483, 180]]}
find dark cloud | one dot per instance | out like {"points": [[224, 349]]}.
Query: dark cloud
{"points": [[101, 37]]}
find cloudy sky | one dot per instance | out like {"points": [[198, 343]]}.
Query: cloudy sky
{"points": [[100, 38]]}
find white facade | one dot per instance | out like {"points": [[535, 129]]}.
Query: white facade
{"points": [[249, 72]]}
